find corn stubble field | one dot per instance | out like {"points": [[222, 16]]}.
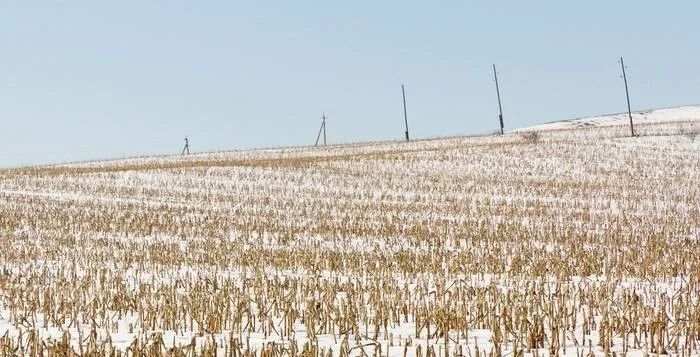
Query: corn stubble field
{"points": [[564, 242]]}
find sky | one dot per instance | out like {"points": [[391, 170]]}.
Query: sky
{"points": [[84, 80]]}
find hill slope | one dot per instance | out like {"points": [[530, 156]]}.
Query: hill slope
{"points": [[653, 116], [504, 244]]}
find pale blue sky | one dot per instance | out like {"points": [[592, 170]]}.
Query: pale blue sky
{"points": [[90, 79]]}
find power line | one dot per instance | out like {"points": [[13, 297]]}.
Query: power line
{"points": [[186, 149], [322, 129], [498, 94], [627, 93], [405, 116]]}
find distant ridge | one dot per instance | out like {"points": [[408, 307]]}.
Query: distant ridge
{"points": [[684, 113]]}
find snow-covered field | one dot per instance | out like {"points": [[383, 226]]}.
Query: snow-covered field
{"points": [[571, 241], [652, 116]]}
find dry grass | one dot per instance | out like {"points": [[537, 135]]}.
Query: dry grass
{"points": [[581, 242]]}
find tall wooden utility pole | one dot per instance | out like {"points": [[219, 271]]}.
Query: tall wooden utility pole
{"points": [[405, 116], [498, 94], [186, 149], [322, 129], [627, 92]]}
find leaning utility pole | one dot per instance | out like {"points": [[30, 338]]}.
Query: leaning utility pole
{"points": [[405, 116], [627, 92], [186, 149], [498, 94], [322, 129]]}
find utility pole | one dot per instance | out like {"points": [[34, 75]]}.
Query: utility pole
{"points": [[322, 129], [627, 92], [405, 116], [498, 94], [186, 149]]}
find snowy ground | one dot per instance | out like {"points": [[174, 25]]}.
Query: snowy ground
{"points": [[653, 116], [576, 240]]}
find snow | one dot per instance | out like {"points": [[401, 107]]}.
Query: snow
{"points": [[653, 116], [473, 226]]}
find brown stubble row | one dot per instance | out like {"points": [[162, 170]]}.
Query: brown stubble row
{"points": [[563, 242]]}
